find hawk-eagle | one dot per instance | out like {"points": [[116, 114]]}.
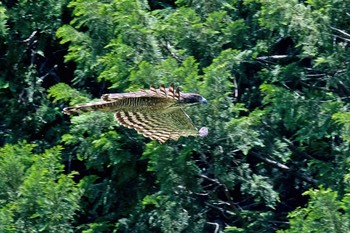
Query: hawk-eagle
{"points": [[155, 113]]}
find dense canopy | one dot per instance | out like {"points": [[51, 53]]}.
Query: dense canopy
{"points": [[276, 77]]}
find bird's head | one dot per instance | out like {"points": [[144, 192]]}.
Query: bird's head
{"points": [[188, 99]]}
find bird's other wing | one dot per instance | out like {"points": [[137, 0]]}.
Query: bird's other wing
{"points": [[160, 126], [162, 92], [152, 99], [126, 103]]}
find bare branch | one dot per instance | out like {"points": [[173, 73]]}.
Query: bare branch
{"points": [[341, 32], [235, 88], [210, 179], [31, 38], [271, 162], [340, 37], [217, 226], [274, 57]]}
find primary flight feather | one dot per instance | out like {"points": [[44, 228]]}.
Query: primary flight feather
{"points": [[155, 113]]}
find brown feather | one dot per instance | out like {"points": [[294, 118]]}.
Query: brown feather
{"points": [[162, 90]]}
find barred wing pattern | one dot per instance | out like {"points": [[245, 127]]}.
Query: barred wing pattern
{"points": [[144, 100], [155, 113], [159, 126], [165, 93]]}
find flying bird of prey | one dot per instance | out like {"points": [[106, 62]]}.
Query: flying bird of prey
{"points": [[154, 113]]}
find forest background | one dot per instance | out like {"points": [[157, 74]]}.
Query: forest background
{"points": [[276, 77]]}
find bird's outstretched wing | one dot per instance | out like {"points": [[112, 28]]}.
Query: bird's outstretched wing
{"points": [[144, 100], [168, 93], [159, 126]]}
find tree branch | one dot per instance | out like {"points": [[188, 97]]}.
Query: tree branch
{"points": [[271, 162], [217, 227], [341, 32], [274, 57], [284, 168]]}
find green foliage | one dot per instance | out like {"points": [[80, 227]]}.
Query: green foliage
{"points": [[25, 67], [299, 113], [35, 194], [306, 25], [80, 50], [86, 48], [93, 133], [233, 229], [63, 92], [118, 63], [324, 213], [343, 119], [3, 17], [244, 131], [36, 14]]}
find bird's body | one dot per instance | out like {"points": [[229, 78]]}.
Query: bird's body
{"points": [[155, 113]]}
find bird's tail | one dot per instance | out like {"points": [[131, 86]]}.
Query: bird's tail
{"points": [[89, 107]]}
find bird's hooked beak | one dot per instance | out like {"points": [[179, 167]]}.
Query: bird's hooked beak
{"points": [[204, 100]]}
